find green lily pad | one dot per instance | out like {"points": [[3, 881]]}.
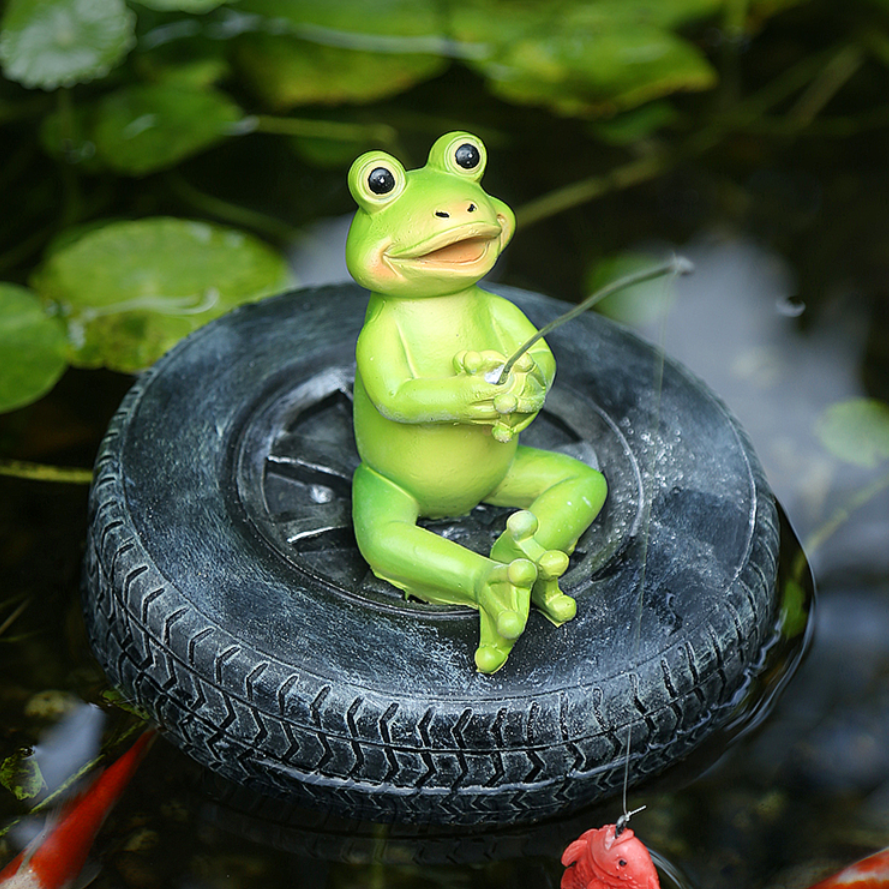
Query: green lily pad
{"points": [[32, 348], [51, 43], [305, 52], [584, 59], [287, 71], [856, 431], [141, 129], [131, 290]]}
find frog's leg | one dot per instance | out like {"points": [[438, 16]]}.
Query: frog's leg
{"points": [[560, 497], [437, 570]]}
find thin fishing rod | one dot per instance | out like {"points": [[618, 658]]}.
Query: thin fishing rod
{"points": [[678, 265]]}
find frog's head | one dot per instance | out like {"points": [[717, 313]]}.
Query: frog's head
{"points": [[426, 232]]}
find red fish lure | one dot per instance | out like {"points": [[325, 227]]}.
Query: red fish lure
{"points": [[605, 858], [56, 860], [869, 873]]}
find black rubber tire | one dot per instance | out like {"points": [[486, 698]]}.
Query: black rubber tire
{"points": [[224, 593]]}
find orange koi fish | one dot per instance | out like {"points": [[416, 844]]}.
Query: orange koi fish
{"points": [[869, 873], [608, 858], [56, 860]]}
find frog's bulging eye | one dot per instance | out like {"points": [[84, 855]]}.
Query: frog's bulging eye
{"points": [[461, 154], [380, 181], [376, 180], [467, 156]]}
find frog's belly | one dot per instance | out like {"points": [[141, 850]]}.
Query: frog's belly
{"points": [[448, 469]]}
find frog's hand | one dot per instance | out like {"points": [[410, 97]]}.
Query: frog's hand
{"points": [[520, 394], [528, 366], [480, 364], [485, 366], [507, 428]]}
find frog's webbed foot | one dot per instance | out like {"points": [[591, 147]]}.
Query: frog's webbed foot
{"points": [[519, 540], [503, 596]]}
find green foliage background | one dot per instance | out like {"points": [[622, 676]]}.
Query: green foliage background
{"points": [[158, 156], [105, 108]]}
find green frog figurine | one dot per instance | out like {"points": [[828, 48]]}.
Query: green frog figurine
{"points": [[436, 430]]}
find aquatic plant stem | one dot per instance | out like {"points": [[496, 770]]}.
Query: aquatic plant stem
{"points": [[324, 129], [834, 76], [745, 114], [232, 213], [839, 517], [577, 193], [14, 616], [43, 473]]}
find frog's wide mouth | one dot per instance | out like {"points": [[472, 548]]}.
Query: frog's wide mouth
{"points": [[462, 247]]}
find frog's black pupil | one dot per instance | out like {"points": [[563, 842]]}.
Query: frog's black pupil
{"points": [[380, 181], [467, 156]]}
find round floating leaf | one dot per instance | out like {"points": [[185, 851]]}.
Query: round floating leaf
{"points": [[130, 290], [856, 431], [32, 348], [582, 58], [141, 129], [51, 43], [287, 71]]}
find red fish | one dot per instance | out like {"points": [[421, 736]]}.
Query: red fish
{"points": [[604, 858], [56, 862], [869, 873]]}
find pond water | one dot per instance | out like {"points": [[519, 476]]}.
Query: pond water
{"points": [[786, 315]]}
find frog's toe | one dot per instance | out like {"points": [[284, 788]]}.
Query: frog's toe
{"points": [[510, 624], [521, 572], [552, 564], [522, 525], [559, 608], [489, 658]]}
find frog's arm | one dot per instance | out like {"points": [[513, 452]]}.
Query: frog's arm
{"points": [[400, 395]]}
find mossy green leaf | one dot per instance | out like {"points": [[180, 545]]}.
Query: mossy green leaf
{"points": [[145, 128], [51, 43], [21, 775], [130, 290], [583, 59], [856, 431], [32, 348], [287, 71]]}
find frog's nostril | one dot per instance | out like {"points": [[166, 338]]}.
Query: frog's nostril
{"points": [[471, 208], [442, 214]]}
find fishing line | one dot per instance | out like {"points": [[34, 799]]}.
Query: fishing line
{"points": [[677, 266]]}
